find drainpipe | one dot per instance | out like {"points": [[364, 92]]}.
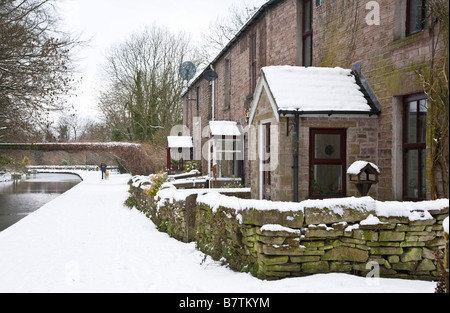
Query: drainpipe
{"points": [[213, 102], [295, 141]]}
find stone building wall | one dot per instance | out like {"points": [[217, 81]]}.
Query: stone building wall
{"points": [[390, 61], [275, 45]]}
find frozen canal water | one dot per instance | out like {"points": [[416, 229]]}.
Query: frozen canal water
{"points": [[18, 199]]}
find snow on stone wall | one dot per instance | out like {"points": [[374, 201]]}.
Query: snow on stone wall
{"points": [[273, 240]]}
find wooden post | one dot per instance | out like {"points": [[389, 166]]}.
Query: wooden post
{"points": [[169, 162]]}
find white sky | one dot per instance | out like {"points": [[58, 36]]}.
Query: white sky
{"points": [[107, 22]]}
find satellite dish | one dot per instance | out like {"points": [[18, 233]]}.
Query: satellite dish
{"points": [[210, 75], [187, 70]]}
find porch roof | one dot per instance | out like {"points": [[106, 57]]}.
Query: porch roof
{"points": [[224, 128], [179, 142], [315, 90]]}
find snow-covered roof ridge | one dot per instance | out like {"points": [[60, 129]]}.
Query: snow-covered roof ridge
{"points": [[315, 89]]}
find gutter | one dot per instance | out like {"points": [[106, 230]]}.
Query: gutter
{"points": [[365, 89], [329, 112]]}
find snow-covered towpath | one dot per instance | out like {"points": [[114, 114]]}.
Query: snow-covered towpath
{"points": [[87, 241]]}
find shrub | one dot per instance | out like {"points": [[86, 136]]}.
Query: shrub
{"points": [[156, 182]]}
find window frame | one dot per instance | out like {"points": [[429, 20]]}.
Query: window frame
{"points": [[253, 54], [418, 146], [424, 18], [307, 32], [197, 100], [342, 161]]}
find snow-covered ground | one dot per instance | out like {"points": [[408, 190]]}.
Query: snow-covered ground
{"points": [[87, 241]]}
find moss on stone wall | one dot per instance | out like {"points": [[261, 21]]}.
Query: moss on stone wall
{"points": [[301, 243]]}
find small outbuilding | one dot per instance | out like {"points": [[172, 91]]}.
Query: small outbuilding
{"points": [[179, 150]]}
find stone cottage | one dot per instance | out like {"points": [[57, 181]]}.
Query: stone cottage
{"points": [[379, 45]]}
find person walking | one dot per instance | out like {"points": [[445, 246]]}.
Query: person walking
{"points": [[103, 169]]}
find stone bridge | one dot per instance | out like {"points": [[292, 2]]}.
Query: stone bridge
{"points": [[131, 156]]}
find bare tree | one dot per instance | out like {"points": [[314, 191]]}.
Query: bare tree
{"points": [[436, 85], [224, 28], [144, 92], [71, 127], [35, 65]]}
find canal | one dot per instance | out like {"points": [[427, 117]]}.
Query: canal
{"points": [[18, 199]]}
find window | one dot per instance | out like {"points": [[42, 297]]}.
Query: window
{"points": [[253, 74], [307, 32], [198, 101], [327, 163], [414, 147], [417, 13], [318, 3], [266, 173], [227, 82]]}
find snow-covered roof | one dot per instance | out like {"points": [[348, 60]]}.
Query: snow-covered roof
{"points": [[224, 128], [315, 89], [179, 142]]}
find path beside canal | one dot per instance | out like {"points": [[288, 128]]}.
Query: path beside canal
{"points": [[87, 241]]}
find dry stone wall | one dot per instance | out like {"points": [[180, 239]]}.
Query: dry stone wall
{"points": [[354, 236]]}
